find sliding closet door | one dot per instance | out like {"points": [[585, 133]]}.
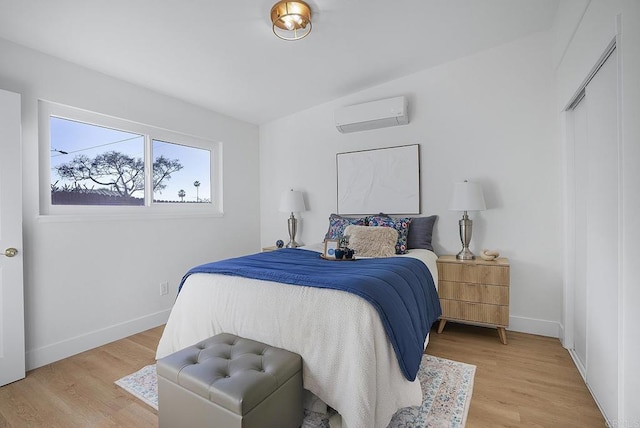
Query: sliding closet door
{"points": [[603, 236], [580, 223], [597, 236]]}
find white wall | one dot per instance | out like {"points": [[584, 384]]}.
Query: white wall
{"points": [[488, 117], [597, 27], [91, 282]]}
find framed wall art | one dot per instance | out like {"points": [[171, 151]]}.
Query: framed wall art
{"points": [[383, 180]]}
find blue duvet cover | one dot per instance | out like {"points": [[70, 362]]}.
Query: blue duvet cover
{"points": [[400, 288]]}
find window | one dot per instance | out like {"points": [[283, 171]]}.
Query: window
{"points": [[181, 173], [95, 165], [101, 164]]}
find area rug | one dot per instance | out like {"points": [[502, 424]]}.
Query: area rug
{"points": [[446, 390]]}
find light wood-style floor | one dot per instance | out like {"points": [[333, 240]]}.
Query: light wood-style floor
{"points": [[530, 382], [79, 391]]}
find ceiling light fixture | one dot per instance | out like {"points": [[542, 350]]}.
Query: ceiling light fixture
{"points": [[291, 19]]}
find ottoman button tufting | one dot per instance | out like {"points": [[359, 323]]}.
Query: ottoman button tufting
{"points": [[189, 394]]}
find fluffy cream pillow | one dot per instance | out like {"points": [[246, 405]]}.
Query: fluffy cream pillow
{"points": [[372, 241]]}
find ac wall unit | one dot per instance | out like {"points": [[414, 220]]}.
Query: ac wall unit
{"points": [[372, 115]]}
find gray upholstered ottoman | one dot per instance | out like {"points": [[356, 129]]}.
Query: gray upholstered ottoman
{"points": [[228, 381]]}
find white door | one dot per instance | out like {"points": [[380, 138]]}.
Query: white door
{"points": [[603, 237], [12, 363], [581, 224], [597, 236]]}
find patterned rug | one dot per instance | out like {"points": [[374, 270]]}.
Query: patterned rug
{"points": [[446, 390]]}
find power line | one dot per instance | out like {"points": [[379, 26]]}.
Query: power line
{"points": [[61, 152]]}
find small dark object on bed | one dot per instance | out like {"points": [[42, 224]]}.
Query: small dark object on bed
{"points": [[339, 253], [343, 259], [279, 243], [348, 253]]}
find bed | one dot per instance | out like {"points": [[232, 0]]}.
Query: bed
{"points": [[348, 360]]}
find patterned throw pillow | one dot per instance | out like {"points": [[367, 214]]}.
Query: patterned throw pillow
{"points": [[337, 224], [399, 224]]}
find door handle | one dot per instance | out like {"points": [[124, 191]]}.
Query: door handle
{"points": [[10, 252]]}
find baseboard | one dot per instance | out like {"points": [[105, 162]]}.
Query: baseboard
{"points": [[561, 335], [48, 354], [534, 326], [583, 372], [578, 364]]}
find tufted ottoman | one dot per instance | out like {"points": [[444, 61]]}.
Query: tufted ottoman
{"points": [[228, 381]]}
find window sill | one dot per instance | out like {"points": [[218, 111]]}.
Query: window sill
{"points": [[86, 218]]}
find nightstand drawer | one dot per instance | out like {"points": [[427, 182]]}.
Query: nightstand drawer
{"points": [[474, 273], [469, 292], [475, 312]]}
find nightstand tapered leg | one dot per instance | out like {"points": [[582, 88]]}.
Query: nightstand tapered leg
{"points": [[503, 335], [443, 322]]}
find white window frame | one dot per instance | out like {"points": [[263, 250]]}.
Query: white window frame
{"points": [[50, 212]]}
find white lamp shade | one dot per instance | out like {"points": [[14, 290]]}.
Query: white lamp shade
{"points": [[467, 196], [292, 201]]}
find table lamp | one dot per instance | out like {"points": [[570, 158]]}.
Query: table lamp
{"points": [[467, 196], [292, 202]]}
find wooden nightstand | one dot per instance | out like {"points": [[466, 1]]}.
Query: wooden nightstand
{"points": [[269, 248], [475, 292]]}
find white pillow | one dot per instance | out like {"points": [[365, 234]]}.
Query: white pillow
{"points": [[372, 241]]}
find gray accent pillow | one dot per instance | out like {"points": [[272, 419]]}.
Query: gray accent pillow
{"points": [[421, 232]]}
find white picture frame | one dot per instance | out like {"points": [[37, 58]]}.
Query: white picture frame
{"points": [[330, 246], [383, 180]]}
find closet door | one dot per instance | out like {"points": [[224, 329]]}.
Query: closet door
{"points": [[580, 222], [596, 227], [602, 236]]}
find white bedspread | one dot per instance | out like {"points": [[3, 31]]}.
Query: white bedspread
{"points": [[347, 360]]}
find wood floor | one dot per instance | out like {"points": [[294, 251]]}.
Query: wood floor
{"points": [[79, 391], [530, 382]]}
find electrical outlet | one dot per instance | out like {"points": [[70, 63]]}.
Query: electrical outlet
{"points": [[164, 288]]}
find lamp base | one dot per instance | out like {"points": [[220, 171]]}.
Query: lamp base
{"points": [[466, 226], [292, 224], [465, 254], [292, 244]]}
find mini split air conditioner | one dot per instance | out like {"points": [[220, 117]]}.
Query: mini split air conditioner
{"points": [[372, 115]]}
